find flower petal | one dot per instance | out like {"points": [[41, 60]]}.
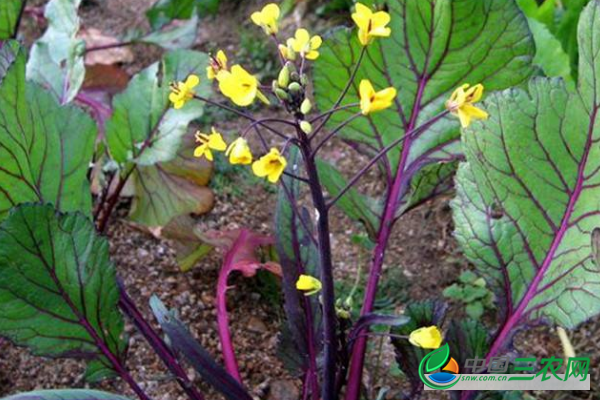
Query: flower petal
{"points": [[192, 81]]}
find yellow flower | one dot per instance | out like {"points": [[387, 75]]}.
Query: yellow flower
{"points": [[461, 104], [304, 44], [239, 152], [308, 284], [214, 141], [182, 92], [270, 165], [240, 86], [267, 18], [217, 64], [287, 52], [371, 101], [370, 24], [428, 337]]}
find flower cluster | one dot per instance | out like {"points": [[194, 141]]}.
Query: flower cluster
{"points": [[290, 88]]}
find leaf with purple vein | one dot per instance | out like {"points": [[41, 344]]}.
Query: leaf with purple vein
{"points": [[58, 291], [435, 46], [527, 202], [45, 148]]}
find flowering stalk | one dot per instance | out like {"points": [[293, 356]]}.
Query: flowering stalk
{"points": [[385, 228], [325, 263]]}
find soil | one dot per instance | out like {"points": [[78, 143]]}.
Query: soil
{"points": [[422, 248]]}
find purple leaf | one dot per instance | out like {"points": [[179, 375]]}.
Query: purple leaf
{"points": [[240, 248], [183, 342]]}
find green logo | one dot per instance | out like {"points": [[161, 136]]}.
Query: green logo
{"points": [[439, 360]]}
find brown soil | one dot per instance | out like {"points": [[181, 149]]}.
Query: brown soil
{"points": [[422, 248]]}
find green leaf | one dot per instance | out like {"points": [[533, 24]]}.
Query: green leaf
{"points": [[9, 15], [187, 240], [176, 35], [467, 339], [467, 276], [527, 198], [421, 313], [472, 293], [550, 56], [143, 114], [65, 394], [56, 60], [435, 46], [453, 291], [58, 288], [165, 11], [566, 29], [45, 148], [474, 310], [357, 207], [167, 190], [431, 181], [543, 13]]}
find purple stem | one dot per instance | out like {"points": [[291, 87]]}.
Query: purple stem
{"points": [[108, 46], [243, 114], [228, 353], [101, 111], [333, 133], [385, 229], [311, 373], [157, 344], [413, 134], [328, 294], [344, 91], [332, 111]]}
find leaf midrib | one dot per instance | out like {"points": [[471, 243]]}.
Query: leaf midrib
{"points": [[532, 290]]}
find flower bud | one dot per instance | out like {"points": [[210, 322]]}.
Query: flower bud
{"points": [[306, 127], [291, 54], [281, 94], [304, 80], [305, 106], [294, 87], [295, 76], [291, 66], [284, 77], [342, 314]]}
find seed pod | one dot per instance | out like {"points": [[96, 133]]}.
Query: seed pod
{"points": [[284, 77], [305, 106], [294, 87], [281, 94], [306, 127]]}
